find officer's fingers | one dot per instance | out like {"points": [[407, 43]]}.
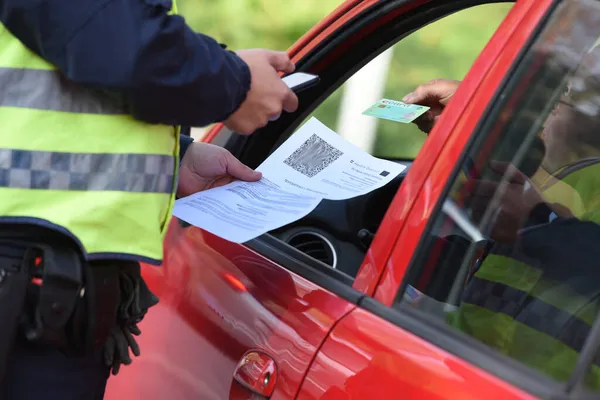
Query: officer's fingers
{"points": [[280, 61], [238, 170], [289, 67], [115, 368], [240, 125], [290, 102]]}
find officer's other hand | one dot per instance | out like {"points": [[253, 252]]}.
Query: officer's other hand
{"points": [[435, 94], [268, 95], [205, 166]]}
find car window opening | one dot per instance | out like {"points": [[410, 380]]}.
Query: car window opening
{"points": [[337, 234]]}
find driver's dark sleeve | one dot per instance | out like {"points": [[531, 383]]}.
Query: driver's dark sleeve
{"points": [[163, 70]]}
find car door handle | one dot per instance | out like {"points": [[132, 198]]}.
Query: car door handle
{"points": [[257, 372]]}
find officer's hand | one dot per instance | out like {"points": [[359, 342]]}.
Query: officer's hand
{"points": [[268, 95], [435, 94], [205, 166]]}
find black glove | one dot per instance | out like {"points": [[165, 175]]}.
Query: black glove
{"points": [[116, 349], [136, 299]]}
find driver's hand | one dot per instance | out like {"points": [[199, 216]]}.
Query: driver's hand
{"points": [[435, 94]]}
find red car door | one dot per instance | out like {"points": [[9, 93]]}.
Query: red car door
{"points": [[403, 341]]}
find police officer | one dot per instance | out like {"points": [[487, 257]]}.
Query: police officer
{"points": [[92, 93]]}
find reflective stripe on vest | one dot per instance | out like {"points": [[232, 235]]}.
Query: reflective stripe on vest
{"points": [[50, 90], [511, 307], [74, 159], [529, 311], [86, 171]]}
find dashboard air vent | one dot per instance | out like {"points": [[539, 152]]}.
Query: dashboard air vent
{"points": [[315, 245]]}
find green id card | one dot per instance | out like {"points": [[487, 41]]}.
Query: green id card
{"points": [[396, 111]]}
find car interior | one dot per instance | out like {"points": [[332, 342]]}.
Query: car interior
{"points": [[332, 241]]}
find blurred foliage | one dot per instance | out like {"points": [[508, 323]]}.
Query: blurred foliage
{"points": [[274, 24], [444, 49]]}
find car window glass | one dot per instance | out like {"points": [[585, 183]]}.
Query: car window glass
{"points": [[511, 257]]}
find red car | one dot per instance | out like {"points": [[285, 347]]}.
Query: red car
{"points": [[352, 301]]}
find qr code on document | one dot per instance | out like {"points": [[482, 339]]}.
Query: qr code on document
{"points": [[313, 156]]}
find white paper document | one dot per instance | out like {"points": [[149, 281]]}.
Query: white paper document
{"points": [[313, 164]]}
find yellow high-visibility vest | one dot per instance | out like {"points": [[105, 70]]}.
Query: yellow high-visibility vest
{"points": [[74, 160]]}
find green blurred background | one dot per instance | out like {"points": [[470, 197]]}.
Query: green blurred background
{"points": [[444, 49]]}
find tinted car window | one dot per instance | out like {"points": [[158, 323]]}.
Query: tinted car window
{"points": [[512, 257]]}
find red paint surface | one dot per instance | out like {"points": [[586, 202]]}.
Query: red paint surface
{"points": [[369, 358], [218, 301]]}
